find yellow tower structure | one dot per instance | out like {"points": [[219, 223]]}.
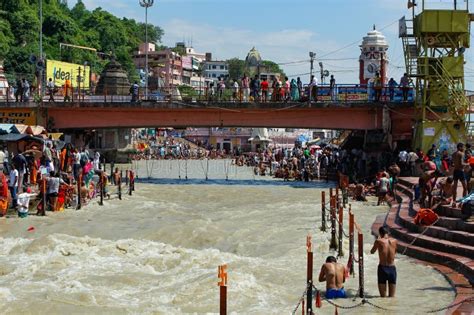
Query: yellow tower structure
{"points": [[434, 42]]}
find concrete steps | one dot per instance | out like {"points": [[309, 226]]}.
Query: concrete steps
{"points": [[448, 245]]}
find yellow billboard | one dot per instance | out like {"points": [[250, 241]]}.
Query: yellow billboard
{"points": [[60, 71]]}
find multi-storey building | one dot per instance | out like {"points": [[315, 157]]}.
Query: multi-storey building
{"points": [[165, 63], [215, 69]]}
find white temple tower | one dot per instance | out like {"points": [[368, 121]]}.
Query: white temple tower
{"points": [[373, 57]]}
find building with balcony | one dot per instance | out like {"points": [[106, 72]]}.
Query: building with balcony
{"points": [[213, 70], [165, 64]]}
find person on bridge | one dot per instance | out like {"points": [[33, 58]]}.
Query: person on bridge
{"points": [[404, 85], [392, 84], [333, 273], [51, 88], [332, 88], [294, 91], [378, 84], [19, 90], [67, 91], [264, 88], [386, 272], [299, 83], [220, 89], [134, 92], [245, 83]]}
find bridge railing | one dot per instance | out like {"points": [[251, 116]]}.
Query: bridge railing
{"points": [[340, 93]]}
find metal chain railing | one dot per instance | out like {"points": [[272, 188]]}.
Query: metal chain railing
{"points": [[451, 305], [299, 302]]}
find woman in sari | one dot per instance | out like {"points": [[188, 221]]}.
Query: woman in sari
{"points": [[294, 90]]}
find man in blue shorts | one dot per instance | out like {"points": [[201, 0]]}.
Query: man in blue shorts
{"points": [[386, 272], [334, 274]]}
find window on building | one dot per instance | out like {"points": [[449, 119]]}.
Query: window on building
{"points": [[213, 75], [214, 67], [222, 67]]}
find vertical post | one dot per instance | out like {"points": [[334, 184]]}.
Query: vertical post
{"points": [[130, 183], [120, 187], [323, 211], [337, 198], [333, 244], [330, 193], [101, 187], [132, 179], [340, 252], [43, 191], [361, 264], [79, 199], [40, 81], [309, 276], [351, 242], [112, 178], [222, 275], [126, 177]]}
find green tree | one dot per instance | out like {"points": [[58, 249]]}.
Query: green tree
{"points": [[236, 68], [273, 67], [19, 24], [6, 38]]}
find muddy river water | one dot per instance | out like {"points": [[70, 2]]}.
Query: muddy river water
{"points": [[157, 252]]}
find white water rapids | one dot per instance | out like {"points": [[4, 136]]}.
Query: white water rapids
{"points": [[157, 252]]}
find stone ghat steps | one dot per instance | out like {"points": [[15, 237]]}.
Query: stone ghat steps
{"points": [[448, 266], [448, 246], [447, 228], [455, 246], [454, 255]]}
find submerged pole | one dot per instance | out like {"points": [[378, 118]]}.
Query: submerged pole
{"points": [[43, 199], [351, 242], [361, 264], [340, 252], [323, 211], [79, 199], [120, 186], [309, 276], [101, 189], [333, 244], [222, 276]]}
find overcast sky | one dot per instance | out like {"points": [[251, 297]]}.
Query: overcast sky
{"points": [[282, 30]]}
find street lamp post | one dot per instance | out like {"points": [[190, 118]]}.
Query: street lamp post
{"points": [[146, 4], [40, 81]]}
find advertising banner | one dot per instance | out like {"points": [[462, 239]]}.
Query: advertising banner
{"points": [[18, 116], [60, 71]]}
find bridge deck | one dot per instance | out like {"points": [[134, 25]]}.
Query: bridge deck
{"points": [[348, 115]]}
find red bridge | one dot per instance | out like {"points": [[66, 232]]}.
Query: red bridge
{"points": [[394, 117]]}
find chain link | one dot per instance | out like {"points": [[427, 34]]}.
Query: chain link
{"points": [[343, 231], [344, 307], [451, 305], [365, 301], [299, 302]]}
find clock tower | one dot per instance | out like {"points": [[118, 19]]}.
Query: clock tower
{"points": [[373, 57]]}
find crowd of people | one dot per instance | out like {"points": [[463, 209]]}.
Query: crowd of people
{"points": [[50, 173], [278, 89]]}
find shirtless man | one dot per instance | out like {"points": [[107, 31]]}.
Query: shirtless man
{"points": [[334, 274], [446, 191], [386, 272], [458, 174]]}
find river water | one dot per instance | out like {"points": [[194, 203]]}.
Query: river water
{"points": [[158, 250]]}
